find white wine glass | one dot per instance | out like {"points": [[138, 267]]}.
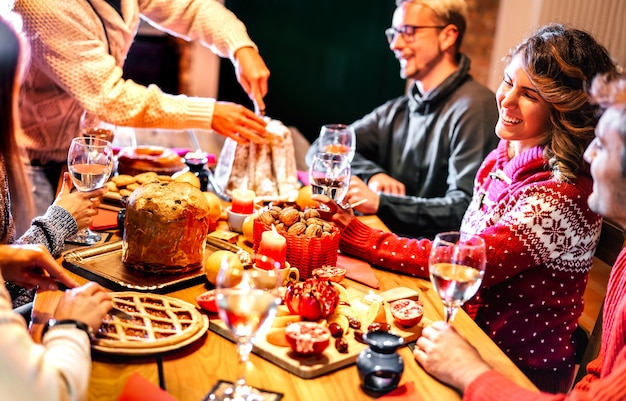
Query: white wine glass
{"points": [[337, 138], [92, 125], [90, 162], [246, 300], [329, 174], [457, 266]]}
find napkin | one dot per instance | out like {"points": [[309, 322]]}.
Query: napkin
{"points": [[401, 393], [138, 388], [358, 270], [104, 220]]}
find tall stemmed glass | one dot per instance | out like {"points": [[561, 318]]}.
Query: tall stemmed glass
{"points": [[337, 138], [90, 162], [329, 174], [247, 300], [91, 125], [457, 266]]}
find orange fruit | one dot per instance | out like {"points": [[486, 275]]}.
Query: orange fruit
{"points": [[215, 204], [214, 262], [375, 314], [247, 228], [304, 198], [187, 176]]}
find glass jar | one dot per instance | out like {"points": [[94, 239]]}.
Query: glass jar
{"points": [[380, 367]]}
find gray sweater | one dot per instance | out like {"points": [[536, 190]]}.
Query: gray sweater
{"points": [[432, 143]]}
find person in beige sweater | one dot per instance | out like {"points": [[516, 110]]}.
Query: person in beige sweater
{"points": [[78, 52]]}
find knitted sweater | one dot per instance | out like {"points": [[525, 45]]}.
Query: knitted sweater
{"points": [[76, 64], [605, 375], [540, 236], [50, 230], [58, 369]]}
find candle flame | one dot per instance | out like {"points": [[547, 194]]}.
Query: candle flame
{"points": [[274, 230]]}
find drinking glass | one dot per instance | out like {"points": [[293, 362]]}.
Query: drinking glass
{"points": [[246, 300], [91, 125], [337, 138], [457, 266], [329, 174], [90, 162]]}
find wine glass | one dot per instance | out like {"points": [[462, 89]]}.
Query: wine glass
{"points": [[337, 138], [90, 162], [246, 300], [457, 266], [91, 125], [329, 174]]}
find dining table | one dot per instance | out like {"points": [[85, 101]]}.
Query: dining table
{"points": [[190, 372]]}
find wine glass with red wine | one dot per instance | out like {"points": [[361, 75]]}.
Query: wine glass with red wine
{"points": [[337, 138], [92, 125], [329, 174]]}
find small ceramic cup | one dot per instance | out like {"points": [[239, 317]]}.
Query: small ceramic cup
{"points": [[235, 220], [286, 273]]}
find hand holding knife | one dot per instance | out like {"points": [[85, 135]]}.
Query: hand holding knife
{"points": [[113, 311]]}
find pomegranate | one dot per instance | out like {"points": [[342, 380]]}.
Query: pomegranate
{"points": [[312, 299], [407, 312], [207, 301], [307, 338], [331, 273]]}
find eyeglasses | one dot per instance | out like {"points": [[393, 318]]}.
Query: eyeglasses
{"points": [[407, 32]]}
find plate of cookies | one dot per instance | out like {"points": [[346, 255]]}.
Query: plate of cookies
{"points": [[122, 185]]}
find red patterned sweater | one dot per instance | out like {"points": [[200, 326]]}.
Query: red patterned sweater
{"points": [[540, 236], [605, 375]]}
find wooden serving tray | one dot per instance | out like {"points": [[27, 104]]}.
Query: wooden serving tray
{"points": [[103, 264], [330, 360]]}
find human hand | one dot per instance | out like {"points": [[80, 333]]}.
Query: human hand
{"points": [[81, 205], [252, 74], [239, 123], [384, 183], [32, 266], [358, 191], [449, 357], [88, 303], [338, 215]]}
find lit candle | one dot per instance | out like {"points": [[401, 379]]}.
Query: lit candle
{"points": [[273, 246], [243, 201]]}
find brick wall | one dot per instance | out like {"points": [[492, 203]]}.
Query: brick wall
{"points": [[478, 41]]}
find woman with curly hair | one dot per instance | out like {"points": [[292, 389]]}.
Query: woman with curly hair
{"points": [[530, 206]]}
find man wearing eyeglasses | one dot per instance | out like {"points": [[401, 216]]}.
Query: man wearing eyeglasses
{"points": [[417, 155]]}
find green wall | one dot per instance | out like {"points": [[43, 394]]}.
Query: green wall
{"points": [[329, 59]]}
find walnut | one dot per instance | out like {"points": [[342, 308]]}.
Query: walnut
{"points": [[266, 218], [314, 220], [314, 230], [289, 216], [297, 228], [280, 227], [309, 213]]}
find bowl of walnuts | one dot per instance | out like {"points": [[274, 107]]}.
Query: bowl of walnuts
{"points": [[312, 242]]}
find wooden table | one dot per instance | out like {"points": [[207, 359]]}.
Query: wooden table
{"points": [[189, 373]]}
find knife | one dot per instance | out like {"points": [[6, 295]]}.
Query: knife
{"points": [[113, 311]]}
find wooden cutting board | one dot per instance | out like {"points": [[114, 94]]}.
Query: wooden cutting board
{"points": [[330, 360]]}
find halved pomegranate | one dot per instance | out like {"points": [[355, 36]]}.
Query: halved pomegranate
{"points": [[207, 301], [407, 312], [307, 338], [331, 273]]}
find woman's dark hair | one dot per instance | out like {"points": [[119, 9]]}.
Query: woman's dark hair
{"points": [[561, 62], [11, 68]]}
